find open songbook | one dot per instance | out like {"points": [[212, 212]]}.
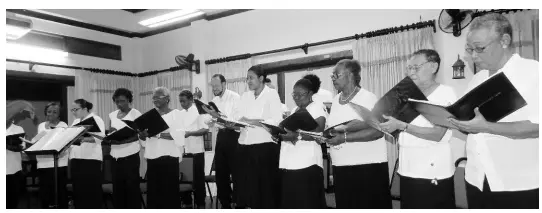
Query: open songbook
{"points": [[495, 98], [56, 140], [394, 103], [15, 143], [151, 121], [199, 106], [223, 121], [299, 120]]}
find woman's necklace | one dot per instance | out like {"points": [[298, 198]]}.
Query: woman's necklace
{"points": [[344, 100]]}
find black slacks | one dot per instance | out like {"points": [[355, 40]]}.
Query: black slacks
{"points": [[487, 199], [419, 193], [259, 179], [225, 166], [87, 178], [163, 183], [47, 187], [13, 189], [362, 186], [198, 169], [126, 189]]}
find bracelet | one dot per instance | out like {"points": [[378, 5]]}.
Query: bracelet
{"points": [[344, 136]]}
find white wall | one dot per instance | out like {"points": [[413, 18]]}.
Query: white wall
{"points": [[131, 50]]}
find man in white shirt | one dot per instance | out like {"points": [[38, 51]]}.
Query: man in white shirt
{"points": [[502, 166], [226, 142], [193, 124]]}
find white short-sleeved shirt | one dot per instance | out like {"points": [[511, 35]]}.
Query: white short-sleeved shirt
{"points": [[508, 164], [420, 158], [193, 121], [14, 161], [267, 107], [48, 161], [157, 147], [124, 150], [358, 153], [304, 153], [227, 103], [89, 151]]}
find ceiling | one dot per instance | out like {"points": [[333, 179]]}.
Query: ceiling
{"points": [[124, 22]]}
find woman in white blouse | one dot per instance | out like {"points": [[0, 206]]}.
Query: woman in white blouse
{"points": [[126, 162], [16, 111], [163, 153], [301, 160], [258, 153], [359, 154], [426, 167], [86, 161], [46, 164]]}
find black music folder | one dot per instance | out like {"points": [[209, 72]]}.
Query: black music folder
{"points": [[495, 98], [118, 136], [91, 123], [327, 132], [151, 120], [199, 106], [299, 120], [394, 103], [14, 142]]}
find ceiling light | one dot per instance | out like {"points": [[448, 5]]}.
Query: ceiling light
{"points": [[32, 52], [170, 18]]}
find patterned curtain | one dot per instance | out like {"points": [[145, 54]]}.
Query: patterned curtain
{"points": [[383, 64], [235, 73]]}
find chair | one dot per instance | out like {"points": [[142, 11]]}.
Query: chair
{"points": [[395, 183], [186, 176], [459, 182], [211, 178], [31, 180], [107, 183]]}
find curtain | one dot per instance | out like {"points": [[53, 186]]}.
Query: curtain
{"points": [[98, 89], [525, 33], [235, 73], [383, 64]]}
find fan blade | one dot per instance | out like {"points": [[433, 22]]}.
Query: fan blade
{"points": [[453, 13]]}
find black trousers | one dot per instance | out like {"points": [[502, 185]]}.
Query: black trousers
{"points": [[303, 188], [13, 189], [225, 166], [199, 181], [163, 183], [259, 179], [47, 187], [362, 186], [87, 180], [419, 193], [487, 199], [126, 189]]}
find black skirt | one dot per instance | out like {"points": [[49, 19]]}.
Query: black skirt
{"points": [[163, 183], [87, 180], [362, 186], [303, 188], [14, 183], [419, 193], [126, 189], [259, 185]]}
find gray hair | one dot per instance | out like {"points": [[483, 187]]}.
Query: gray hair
{"points": [[163, 90], [494, 21]]}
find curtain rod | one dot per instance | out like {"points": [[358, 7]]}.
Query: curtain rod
{"points": [[305, 47], [102, 71]]}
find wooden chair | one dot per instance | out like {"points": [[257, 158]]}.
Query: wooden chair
{"points": [[459, 182], [211, 178]]}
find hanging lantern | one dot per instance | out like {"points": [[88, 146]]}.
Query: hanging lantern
{"points": [[459, 69]]}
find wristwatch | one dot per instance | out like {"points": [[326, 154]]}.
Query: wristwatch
{"points": [[298, 136]]}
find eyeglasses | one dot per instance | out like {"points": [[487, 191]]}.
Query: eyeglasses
{"points": [[469, 50], [75, 109], [296, 96], [336, 76], [154, 98], [416, 67]]}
